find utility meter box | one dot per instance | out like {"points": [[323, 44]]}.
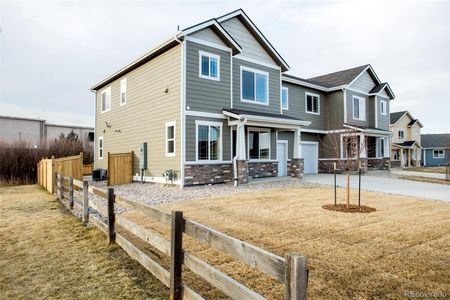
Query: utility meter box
{"points": [[143, 157]]}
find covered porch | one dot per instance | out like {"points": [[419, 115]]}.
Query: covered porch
{"points": [[256, 150], [406, 154]]}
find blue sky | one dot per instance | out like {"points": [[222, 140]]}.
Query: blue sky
{"points": [[52, 52]]}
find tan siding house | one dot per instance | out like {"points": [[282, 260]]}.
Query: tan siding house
{"points": [[406, 144]]}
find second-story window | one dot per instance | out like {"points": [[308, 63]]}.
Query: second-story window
{"points": [[254, 86], [401, 134], [383, 107], [106, 100], [312, 103], [170, 138], [359, 108], [209, 66], [284, 98], [123, 91]]}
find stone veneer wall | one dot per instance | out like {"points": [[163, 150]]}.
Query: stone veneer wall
{"points": [[379, 163], [242, 166], [207, 174], [296, 166], [327, 166], [262, 169]]}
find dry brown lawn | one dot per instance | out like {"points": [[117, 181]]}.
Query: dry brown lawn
{"points": [[45, 252], [427, 169], [403, 246], [425, 179]]}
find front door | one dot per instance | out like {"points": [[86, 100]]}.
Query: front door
{"points": [[282, 158]]}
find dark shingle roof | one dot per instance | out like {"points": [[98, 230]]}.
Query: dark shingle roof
{"points": [[378, 88], [337, 78], [441, 140], [395, 116], [258, 113], [406, 144], [412, 122]]}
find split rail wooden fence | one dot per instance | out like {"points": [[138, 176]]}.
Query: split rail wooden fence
{"points": [[291, 271]]}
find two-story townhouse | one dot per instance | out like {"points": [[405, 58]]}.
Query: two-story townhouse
{"points": [[213, 105], [341, 104], [406, 143]]}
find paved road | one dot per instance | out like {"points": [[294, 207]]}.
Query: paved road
{"points": [[419, 174], [387, 185]]}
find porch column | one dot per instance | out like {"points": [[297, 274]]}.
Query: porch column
{"points": [[240, 140], [297, 164], [362, 146], [409, 157], [402, 158]]}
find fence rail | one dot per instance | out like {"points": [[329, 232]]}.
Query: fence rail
{"points": [[291, 271]]}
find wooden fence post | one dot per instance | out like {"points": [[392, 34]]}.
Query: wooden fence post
{"points": [[85, 202], [176, 255], [108, 170], [61, 187], [55, 184], [71, 192], [296, 277], [52, 183], [111, 217]]}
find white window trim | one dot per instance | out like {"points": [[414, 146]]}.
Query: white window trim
{"points": [[209, 55], [123, 91], [383, 106], [168, 124], [267, 84], [103, 147], [362, 116], [105, 91], [208, 123], [306, 103], [398, 134], [438, 156], [287, 98], [257, 129], [378, 148]]}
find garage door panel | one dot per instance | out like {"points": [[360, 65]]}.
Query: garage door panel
{"points": [[310, 157]]}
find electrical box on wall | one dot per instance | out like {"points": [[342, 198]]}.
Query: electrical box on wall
{"points": [[143, 157]]}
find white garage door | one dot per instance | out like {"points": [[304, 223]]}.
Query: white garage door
{"points": [[310, 152]]}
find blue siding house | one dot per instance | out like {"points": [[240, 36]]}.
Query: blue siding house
{"points": [[436, 149]]}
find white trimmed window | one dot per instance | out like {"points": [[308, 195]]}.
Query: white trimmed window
{"points": [[284, 98], [208, 141], [438, 153], [383, 107], [401, 134], [381, 147], [359, 108], [106, 100], [254, 86], [123, 91], [100, 147], [312, 103], [209, 66], [258, 143], [170, 138]]}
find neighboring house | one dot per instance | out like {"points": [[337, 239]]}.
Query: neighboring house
{"points": [[38, 133], [213, 103], [435, 149], [406, 145]]}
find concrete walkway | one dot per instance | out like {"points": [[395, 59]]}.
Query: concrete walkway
{"points": [[387, 185], [401, 172]]}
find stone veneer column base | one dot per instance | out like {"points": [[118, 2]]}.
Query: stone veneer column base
{"points": [[327, 166], [379, 163], [242, 171], [262, 169], [296, 167]]}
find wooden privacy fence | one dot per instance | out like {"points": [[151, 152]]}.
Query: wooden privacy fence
{"points": [[46, 168], [120, 168], [291, 271], [87, 169]]}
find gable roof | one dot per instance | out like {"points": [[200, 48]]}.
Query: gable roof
{"points": [[395, 116], [440, 140], [340, 78], [239, 13]]}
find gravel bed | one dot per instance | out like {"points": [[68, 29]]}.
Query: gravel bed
{"points": [[154, 194]]}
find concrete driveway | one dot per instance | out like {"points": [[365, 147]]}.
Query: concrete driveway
{"points": [[387, 185]]}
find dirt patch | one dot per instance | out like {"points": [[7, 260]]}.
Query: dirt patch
{"points": [[352, 208], [45, 252]]}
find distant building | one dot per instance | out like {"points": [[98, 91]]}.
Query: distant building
{"points": [[436, 149], [406, 145], [38, 133]]}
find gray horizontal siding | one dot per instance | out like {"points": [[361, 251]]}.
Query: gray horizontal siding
{"points": [[204, 94], [191, 137], [350, 119], [364, 83], [383, 120], [274, 88]]}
